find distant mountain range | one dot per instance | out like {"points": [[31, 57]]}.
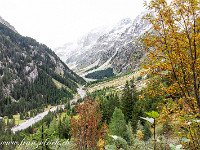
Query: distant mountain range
{"points": [[31, 74], [116, 48]]}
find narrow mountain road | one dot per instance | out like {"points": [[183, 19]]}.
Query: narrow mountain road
{"points": [[40, 116], [81, 94], [33, 120]]}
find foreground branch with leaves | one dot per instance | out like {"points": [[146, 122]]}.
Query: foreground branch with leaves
{"points": [[174, 55]]}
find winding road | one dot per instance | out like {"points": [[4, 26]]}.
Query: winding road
{"points": [[81, 92], [40, 116]]}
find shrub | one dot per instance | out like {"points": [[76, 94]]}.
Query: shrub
{"points": [[121, 143], [110, 147]]}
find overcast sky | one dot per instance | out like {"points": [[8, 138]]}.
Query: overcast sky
{"points": [[55, 22]]}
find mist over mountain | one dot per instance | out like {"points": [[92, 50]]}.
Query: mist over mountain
{"points": [[115, 48], [81, 44]]}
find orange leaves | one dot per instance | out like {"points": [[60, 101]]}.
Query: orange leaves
{"points": [[87, 129], [174, 53], [172, 45]]}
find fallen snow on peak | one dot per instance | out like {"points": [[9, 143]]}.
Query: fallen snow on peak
{"points": [[81, 45], [106, 45]]}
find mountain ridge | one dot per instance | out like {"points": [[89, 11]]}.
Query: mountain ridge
{"points": [[27, 70], [116, 48], [7, 24]]}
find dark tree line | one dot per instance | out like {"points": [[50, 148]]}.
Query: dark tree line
{"points": [[101, 74], [19, 56]]}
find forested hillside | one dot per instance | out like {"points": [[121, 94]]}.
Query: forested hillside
{"points": [[153, 107], [26, 72], [101, 74]]}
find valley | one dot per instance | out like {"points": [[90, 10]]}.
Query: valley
{"points": [[40, 116], [134, 85], [116, 84]]}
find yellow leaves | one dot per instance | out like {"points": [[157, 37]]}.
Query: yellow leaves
{"points": [[174, 54], [101, 144], [139, 135], [169, 48]]}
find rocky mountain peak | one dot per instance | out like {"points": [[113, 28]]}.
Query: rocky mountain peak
{"points": [[110, 48], [125, 21]]}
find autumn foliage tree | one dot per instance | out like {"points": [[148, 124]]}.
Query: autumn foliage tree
{"points": [[87, 128], [174, 54], [174, 47]]}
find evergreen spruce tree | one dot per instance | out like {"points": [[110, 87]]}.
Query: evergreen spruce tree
{"points": [[21, 116], [42, 136], [129, 99], [136, 114], [116, 101], [13, 122], [31, 113], [117, 125], [53, 127], [8, 123], [60, 129], [2, 126], [140, 126], [66, 127], [108, 105], [147, 132], [129, 132], [126, 102]]}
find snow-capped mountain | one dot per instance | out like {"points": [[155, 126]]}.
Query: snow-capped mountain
{"points": [[115, 48], [81, 45]]}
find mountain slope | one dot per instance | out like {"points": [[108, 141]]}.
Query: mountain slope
{"points": [[116, 49], [27, 70], [78, 47], [7, 24]]}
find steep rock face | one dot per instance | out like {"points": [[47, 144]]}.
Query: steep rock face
{"points": [[116, 48], [27, 71]]}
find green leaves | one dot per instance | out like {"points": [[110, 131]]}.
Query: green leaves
{"points": [[153, 114]]}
